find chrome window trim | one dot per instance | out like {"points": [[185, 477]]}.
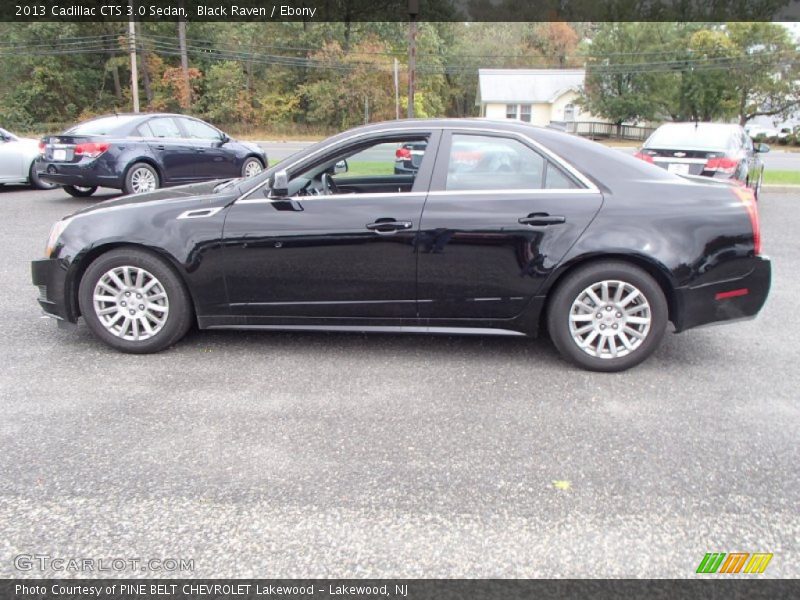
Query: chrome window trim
{"points": [[338, 196], [566, 191], [589, 185]]}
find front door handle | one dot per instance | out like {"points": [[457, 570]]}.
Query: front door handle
{"points": [[542, 219], [389, 225]]}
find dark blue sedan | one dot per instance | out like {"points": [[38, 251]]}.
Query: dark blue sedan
{"points": [[139, 153]]}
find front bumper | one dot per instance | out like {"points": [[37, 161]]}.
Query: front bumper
{"points": [[50, 276], [732, 299]]}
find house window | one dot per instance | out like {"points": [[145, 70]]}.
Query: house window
{"points": [[569, 112], [511, 111], [525, 113]]}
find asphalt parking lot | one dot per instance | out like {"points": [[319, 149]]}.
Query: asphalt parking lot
{"points": [[336, 455]]}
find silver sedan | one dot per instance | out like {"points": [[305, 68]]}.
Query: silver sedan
{"points": [[16, 161]]}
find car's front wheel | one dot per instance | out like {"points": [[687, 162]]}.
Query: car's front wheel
{"points": [[140, 179], [79, 191], [607, 316], [134, 301], [252, 167]]}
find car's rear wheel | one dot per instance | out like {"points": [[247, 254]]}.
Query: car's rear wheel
{"points": [[35, 181], [80, 191], [757, 186], [134, 301], [252, 167], [607, 316], [140, 179]]}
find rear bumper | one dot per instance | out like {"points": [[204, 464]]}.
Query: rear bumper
{"points": [[728, 300], [50, 276], [94, 173]]}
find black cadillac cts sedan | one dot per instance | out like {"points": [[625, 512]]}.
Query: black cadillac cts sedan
{"points": [[503, 229]]}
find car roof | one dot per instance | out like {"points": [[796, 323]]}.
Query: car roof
{"points": [[701, 126], [599, 163]]}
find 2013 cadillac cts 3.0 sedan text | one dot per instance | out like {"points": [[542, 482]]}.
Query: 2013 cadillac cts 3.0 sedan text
{"points": [[504, 228]]}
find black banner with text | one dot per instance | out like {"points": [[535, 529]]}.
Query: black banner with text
{"points": [[400, 10]]}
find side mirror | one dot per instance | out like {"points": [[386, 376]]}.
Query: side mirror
{"points": [[340, 167], [279, 186], [224, 138], [762, 148]]}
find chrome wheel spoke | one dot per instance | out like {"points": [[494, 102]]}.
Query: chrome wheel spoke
{"points": [[594, 297], [638, 320], [581, 317], [634, 333], [619, 292]]}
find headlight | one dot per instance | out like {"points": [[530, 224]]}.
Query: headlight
{"points": [[55, 232]]}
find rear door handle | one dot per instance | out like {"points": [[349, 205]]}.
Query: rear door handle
{"points": [[389, 225], [160, 147], [542, 219]]}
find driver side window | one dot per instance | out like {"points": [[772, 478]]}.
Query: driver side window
{"points": [[380, 167]]}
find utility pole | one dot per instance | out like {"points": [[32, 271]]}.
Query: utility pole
{"points": [[413, 11], [134, 70], [184, 57], [396, 90]]}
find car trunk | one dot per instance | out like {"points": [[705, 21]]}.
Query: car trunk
{"points": [[61, 148], [682, 162]]}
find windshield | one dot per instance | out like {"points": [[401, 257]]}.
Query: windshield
{"points": [[102, 126], [690, 137]]}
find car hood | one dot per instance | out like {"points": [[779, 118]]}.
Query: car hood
{"points": [[251, 146], [195, 194]]}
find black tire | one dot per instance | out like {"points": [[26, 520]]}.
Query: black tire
{"points": [[80, 192], [571, 288], [250, 161], [757, 186], [179, 314], [131, 185], [33, 178]]}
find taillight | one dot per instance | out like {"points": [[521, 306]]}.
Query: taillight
{"points": [[42, 146], [644, 156], [749, 200], [721, 164], [403, 154], [91, 149]]}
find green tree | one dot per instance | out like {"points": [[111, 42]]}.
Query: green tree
{"points": [[620, 83], [766, 73]]}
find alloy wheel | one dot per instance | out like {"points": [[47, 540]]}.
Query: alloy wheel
{"points": [[143, 180], [131, 303], [252, 168], [610, 319]]}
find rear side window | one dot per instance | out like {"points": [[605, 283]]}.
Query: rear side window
{"points": [[102, 126], [558, 180], [479, 162], [164, 127]]}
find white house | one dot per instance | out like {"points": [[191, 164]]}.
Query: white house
{"points": [[538, 96]]}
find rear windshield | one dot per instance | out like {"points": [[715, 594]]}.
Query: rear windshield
{"points": [[102, 126], [690, 137]]}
